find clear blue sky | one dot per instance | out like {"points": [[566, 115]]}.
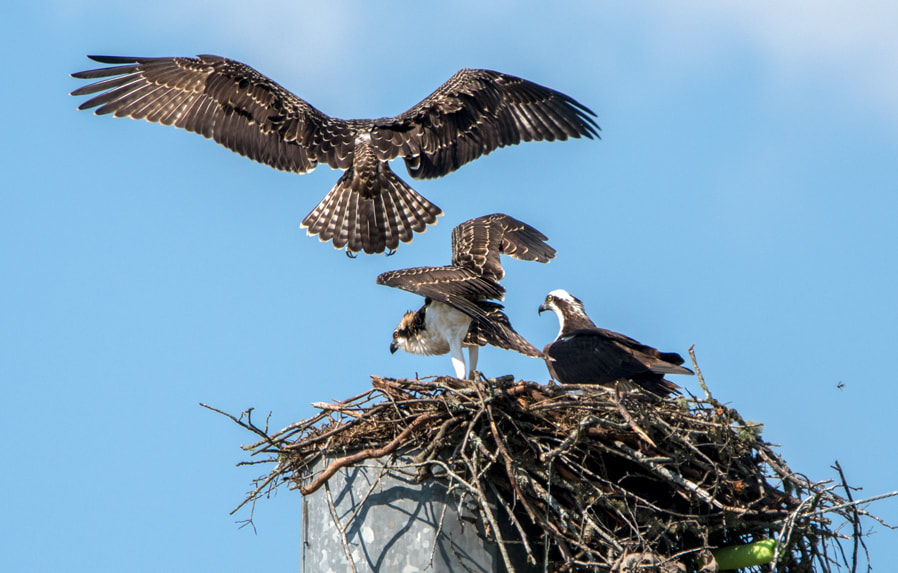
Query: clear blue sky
{"points": [[742, 199]]}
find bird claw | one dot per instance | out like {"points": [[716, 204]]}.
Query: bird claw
{"points": [[350, 254], [390, 252]]}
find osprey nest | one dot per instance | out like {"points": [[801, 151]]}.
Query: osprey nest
{"points": [[606, 479]]}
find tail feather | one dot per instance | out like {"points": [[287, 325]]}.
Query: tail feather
{"points": [[370, 212], [346, 222], [404, 225], [499, 332], [658, 386], [393, 212]]}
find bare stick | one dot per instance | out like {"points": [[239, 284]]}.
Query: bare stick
{"points": [[340, 528], [698, 373], [366, 454]]}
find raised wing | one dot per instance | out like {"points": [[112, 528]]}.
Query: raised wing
{"points": [[221, 99], [478, 243], [457, 287], [476, 112]]}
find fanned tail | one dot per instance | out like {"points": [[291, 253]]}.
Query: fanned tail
{"points": [[370, 209]]}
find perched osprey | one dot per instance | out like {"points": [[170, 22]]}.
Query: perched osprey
{"points": [[585, 354], [369, 209], [457, 312]]}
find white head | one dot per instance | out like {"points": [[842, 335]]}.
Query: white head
{"points": [[567, 308]]}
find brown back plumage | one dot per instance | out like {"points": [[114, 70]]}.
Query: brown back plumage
{"points": [[369, 209]]}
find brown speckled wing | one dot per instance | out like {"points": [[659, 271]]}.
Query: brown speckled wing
{"points": [[498, 332], [476, 112], [457, 287], [221, 99], [478, 243]]}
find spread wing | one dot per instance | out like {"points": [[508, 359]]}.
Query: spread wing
{"points": [[476, 112], [221, 99], [498, 332], [459, 288], [477, 244]]}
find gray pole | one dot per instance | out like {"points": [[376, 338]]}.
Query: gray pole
{"points": [[374, 517]]}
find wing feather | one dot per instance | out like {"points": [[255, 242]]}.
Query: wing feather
{"points": [[476, 112], [223, 99], [459, 288], [478, 243], [599, 356], [498, 332]]}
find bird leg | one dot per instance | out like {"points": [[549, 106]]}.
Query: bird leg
{"points": [[472, 361], [458, 359]]}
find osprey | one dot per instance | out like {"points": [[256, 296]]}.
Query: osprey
{"points": [[585, 354], [457, 311], [369, 209]]}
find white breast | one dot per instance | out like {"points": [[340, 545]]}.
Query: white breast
{"points": [[444, 324]]}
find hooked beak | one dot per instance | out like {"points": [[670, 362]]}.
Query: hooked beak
{"points": [[543, 307], [393, 347]]}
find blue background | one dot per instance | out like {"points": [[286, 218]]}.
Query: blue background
{"points": [[742, 199]]}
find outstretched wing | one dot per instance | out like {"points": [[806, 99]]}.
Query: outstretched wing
{"points": [[457, 287], [476, 112], [221, 99], [477, 244]]}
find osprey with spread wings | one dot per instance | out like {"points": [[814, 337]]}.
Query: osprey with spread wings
{"points": [[457, 310], [370, 208]]}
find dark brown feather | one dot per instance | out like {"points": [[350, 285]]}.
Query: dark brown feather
{"points": [[477, 244], [508, 339], [598, 356], [459, 288]]}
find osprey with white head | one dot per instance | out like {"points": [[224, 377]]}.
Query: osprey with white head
{"points": [[582, 353]]}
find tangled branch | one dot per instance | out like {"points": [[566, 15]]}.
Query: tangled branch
{"points": [[590, 478]]}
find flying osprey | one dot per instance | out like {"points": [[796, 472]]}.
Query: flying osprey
{"points": [[585, 354], [457, 312], [369, 209]]}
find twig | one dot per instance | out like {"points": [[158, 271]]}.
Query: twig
{"points": [[698, 373], [339, 526], [630, 422]]}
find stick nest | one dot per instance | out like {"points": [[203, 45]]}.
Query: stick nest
{"points": [[607, 480]]}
